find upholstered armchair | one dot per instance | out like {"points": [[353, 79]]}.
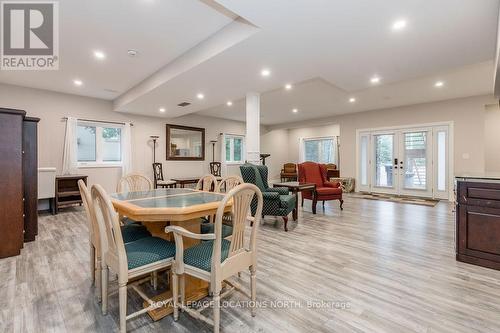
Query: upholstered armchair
{"points": [[310, 172], [289, 172], [277, 201]]}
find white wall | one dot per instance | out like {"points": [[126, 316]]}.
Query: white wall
{"points": [[51, 107], [471, 136]]}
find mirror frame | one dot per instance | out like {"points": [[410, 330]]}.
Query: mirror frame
{"points": [[170, 127]]}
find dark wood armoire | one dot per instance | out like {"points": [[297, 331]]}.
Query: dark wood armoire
{"points": [[18, 180]]}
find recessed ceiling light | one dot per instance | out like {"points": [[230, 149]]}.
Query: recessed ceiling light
{"points": [[439, 84], [200, 96], [162, 110], [229, 103], [77, 82], [375, 80], [132, 53], [288, 86], [399, 25], [99, 55], [265, 72], [352, 100], [295, 110]]}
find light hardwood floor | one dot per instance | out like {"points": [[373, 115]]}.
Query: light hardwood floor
{"points": [[389, 266]]}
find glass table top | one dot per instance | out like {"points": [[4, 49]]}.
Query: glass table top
{"points": [[166, 198]]}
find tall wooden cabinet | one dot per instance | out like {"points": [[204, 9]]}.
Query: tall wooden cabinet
{"points": [[18, 180]]}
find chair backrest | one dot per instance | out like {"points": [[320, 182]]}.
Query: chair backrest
{"points": [[331, 166], [254, 174], [312, 172], [241, 197], [158, 171], [215, 168], [134, 182], [89, 210], [207, 183], [290, 167], [228, 183], [112, 246]]}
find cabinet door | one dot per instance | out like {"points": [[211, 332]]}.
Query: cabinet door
{"points": [[11, 184], [479, 232]]}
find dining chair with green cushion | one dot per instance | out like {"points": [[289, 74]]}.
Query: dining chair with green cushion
{"points": [[224, 186], [277, 201], [129, 260], [130, 233], [217, 259]]}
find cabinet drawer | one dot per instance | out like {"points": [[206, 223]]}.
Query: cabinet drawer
{"points": [[479, 194], [483, 193]]}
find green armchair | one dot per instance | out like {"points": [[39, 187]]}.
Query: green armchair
{"points": [[277, 201]]}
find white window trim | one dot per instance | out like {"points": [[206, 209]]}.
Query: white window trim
{"points": [[231, 149], [99, 163]]}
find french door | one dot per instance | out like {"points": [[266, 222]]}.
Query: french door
{"points": [[406, 161]]}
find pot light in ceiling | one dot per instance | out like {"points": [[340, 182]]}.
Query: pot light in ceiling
{"points": [[399, 25], [78, 82], [200, 96], [352, 100], [229, 103], [265, 72], [288, 86], [375, 80], [99, 55], [295, 110], [132, 53], [439, 84], [162, 110]]}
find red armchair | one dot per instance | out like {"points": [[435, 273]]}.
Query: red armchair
{"points": [[310, 172]]}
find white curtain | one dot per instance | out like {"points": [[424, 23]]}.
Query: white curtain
{"points": [[222, 138], [70, 153], [126, 149]]}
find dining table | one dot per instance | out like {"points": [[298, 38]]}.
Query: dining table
{"points": [[161, 207]]}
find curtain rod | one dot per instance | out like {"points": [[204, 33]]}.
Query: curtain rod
{"points": [[100, 121]]}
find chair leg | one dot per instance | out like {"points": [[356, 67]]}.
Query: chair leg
{"points": [[285, 221], [294, 214], [315, 201], [183, 289], [217, 309], [175, 294], [92, 264], [98, 279], [253, 291], [302, 201], [323, 203], [341, 203], [104, 290], [122, 295]]}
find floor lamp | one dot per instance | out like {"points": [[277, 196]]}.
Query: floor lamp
{"points": [[213, 142], [154, 138]]}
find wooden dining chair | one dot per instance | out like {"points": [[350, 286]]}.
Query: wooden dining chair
{"points": [[216, 259], [224, 186], [130, 233], [207, 183], [129, 261], [228, 183], [159, 181], [134, 182]]}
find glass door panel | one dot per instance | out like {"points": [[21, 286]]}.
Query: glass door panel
{"points": [[384, 153], [415, 161]]}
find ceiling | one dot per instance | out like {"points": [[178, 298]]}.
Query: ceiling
{"points": [[328, 50]]}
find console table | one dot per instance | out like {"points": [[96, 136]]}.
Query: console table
{"points": [[295, 188], [67, 191]]}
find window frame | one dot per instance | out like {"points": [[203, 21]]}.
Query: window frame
{"points": [[318, 138], [231, 149], [99, 142]]}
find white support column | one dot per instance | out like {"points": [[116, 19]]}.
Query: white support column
{"points": [[253, 128]]}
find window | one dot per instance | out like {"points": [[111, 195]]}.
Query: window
{"points": [[320, 150], [235, 149], [99, 144]]}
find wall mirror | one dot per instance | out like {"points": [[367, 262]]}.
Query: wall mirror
{"points": [[185, 143]]}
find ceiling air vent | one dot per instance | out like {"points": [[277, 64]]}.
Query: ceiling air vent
{"points": [[183, 104]]}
